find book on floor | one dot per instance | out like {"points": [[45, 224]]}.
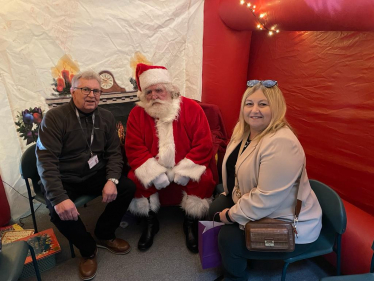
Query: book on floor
{"points": [[14, 235], [7, 228], [44, 243]]}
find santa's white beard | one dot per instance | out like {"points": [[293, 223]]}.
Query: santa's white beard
{"points": [[158, 108]]}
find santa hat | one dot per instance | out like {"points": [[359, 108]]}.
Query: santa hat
{"points": [[148, 75]]}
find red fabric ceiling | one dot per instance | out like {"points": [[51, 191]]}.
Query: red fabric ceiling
{"points": [[314, 15]]}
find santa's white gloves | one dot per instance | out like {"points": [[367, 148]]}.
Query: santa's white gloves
{"points": [[161, 181], [181, 180]]}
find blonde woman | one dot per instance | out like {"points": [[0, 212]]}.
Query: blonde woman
{"points": [[259, 172]]}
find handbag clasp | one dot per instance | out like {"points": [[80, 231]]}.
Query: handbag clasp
{"points": [[269, 243]]}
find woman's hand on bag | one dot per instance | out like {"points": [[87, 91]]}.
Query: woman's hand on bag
{"points": [[223, 216]]}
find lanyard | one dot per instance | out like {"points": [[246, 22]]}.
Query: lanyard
{"points": [[92, 133]]}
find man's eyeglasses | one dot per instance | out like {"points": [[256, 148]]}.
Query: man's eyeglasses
{"points": [[86, 91], [265, 83]]}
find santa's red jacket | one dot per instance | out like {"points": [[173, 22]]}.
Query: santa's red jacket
{"points": [[179, 144]]}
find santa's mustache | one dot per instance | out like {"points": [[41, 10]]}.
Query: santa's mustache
{"points": [[152, 102]]}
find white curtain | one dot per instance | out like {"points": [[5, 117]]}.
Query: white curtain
{"points": [[98, 35]]}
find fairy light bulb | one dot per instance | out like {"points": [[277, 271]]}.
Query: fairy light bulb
{"points": [[271, 31]]}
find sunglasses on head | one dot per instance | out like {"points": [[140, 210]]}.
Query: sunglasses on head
{"points": [[265, 83]]}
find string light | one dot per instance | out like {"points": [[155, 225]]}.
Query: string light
{"points": [[260, 18]]}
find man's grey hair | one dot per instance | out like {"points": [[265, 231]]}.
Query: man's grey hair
{"points": [[88, 74]]}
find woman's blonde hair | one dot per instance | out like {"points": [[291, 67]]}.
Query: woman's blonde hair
{"points": [[278, 112]]}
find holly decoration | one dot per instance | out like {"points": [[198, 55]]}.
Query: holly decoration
{"points": [[134, 85], [28, 123]]}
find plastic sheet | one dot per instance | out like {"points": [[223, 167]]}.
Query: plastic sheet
{"points": [[97, 35]]}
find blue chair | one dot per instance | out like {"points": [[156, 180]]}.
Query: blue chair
{"points": [[12, 259], [28, 171], [334, 221], [356, 277]]}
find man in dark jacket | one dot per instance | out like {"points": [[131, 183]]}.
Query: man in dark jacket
{"points": [[78, 153]]}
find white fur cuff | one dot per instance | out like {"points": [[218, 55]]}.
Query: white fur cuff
{"points": [[195, 206], [147, 172], [141, 206], [189, 169]]}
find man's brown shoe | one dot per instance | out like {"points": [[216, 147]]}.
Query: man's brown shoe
{"points": [[116, 246], [88, 267]]}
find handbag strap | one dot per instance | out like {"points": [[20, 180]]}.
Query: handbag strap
{"points": [[298, 201], [216, 213]]}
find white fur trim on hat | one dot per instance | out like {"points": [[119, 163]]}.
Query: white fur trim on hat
{"points": [[154, 76]]}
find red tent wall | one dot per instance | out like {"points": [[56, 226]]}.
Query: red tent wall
{"points": [[4, 206], [225, 64], [327, 80]]}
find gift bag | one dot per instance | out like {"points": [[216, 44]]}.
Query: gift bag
{"points": [[208, 243]]}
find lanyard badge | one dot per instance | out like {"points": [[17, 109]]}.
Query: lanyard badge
{"points": [[93, 159]]}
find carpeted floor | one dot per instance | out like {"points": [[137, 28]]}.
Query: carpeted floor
{"points": [[167, 259]]}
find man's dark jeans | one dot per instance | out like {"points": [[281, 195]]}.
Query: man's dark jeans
{"points": [[75, 231]]}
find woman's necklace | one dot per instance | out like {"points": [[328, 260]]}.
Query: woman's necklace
{"points": [[246, 144]]}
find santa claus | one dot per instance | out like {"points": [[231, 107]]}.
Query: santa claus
{"points": [[169, 149]]}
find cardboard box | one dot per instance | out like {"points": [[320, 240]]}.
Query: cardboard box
{"points": [[45, 245]]}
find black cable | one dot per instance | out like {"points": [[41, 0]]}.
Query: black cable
{"points": [[19, 220], [15, 190]]}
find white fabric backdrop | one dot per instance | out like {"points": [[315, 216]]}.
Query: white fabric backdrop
{"points": [[98, 35]]}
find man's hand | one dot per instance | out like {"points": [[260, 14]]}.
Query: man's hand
{"points": [[109, 192], [161, 181], [66, 210], [181, 180]]}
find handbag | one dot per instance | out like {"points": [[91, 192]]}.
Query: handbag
{"points": [[270, 235], [273, 235], [208, 243]]}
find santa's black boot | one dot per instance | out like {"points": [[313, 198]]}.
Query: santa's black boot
{"points": [[151, 228], [190, 230]]}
